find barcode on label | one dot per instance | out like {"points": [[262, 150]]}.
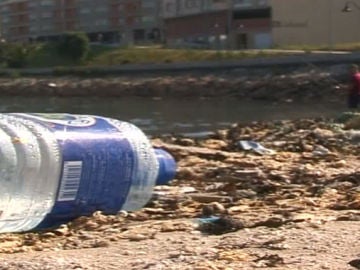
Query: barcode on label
{"points": [[70, 180]]}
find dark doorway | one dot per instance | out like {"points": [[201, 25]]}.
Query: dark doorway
{"points": [[139, 35], [242, 41]]}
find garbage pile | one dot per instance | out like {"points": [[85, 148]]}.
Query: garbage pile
{"points": [[309, 171]]}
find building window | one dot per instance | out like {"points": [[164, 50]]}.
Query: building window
{"points": [[33, 16], [85, 10], [5, 8], [148, 19], [5, 20], [137, 20], [169, 7], [101, 22], [130, 20], [101, 9], [252, 13], [148, 4], [192, 4], [46, 3], [139, 34], [46, 15], [262, 2], [45, 27], [33, 29], [33, 4], [243, 3], [131, 7]]}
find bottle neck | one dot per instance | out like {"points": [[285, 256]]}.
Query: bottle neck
{"points": [[167, 166]]}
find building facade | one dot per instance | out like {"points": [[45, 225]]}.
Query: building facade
{"points": [[113, 21], [219, 24], [241, 24], [213, 24]]}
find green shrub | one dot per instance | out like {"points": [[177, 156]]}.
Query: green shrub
{"points": [[3, 52], [74, 45], [16, 55]]}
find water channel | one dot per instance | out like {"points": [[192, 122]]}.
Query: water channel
{"points": [[178, 116]]}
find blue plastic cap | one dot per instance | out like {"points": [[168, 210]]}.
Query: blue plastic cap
{"points": [[167, 166]]}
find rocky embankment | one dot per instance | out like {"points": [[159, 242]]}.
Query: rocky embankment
{"points": [[292, 202], [274, 83]]}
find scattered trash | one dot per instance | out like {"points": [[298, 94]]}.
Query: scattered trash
{"points": [[105, 164], [258, 148], [321, 151], [219, 225], [269, 260], [208, 219], [273, 197]]}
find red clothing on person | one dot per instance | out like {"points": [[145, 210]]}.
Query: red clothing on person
{"points": [[355, 88], [354, 91]]}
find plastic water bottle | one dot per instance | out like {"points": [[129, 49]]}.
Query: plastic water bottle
{"points": [[56, 167]]}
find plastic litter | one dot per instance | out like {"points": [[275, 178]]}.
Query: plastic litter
{"points": [[256, 147]]}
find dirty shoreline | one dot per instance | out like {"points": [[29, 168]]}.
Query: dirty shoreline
{"points": [[294, 207], [320, 83]]}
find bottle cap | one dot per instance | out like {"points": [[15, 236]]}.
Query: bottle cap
{"points": [[167, 166]]}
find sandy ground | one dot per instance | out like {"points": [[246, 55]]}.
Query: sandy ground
{"points": [[299, 246], [293, 205]]}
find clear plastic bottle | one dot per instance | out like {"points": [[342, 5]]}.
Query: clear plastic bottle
{"points": [[55, 167]]}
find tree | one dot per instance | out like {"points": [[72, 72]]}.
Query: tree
{"points": [[16, 55], [74, 45]]}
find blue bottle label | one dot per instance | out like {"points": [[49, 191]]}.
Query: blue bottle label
{"points": [[100, 164]]}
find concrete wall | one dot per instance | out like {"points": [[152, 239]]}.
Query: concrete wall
{"points": [[314, 22]]}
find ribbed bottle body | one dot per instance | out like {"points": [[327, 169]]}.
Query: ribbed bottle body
{"points": [[56, 167]]}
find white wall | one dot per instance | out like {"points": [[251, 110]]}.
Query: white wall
{"points": [[314, 22], [262, 40]]}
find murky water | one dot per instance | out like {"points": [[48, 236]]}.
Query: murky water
{"points": [[173, 116]]}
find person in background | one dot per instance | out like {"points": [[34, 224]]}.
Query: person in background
{"points": [[354, 88]]}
